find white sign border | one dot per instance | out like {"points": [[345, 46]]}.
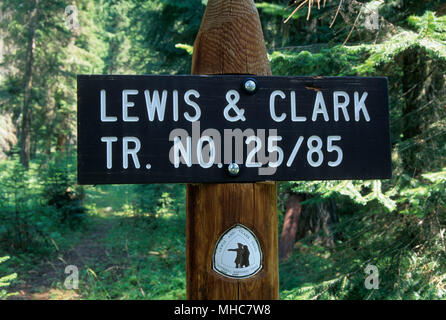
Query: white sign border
{"points": [[215, 250]]}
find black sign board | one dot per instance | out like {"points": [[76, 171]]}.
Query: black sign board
{"points": [[144, 129]]}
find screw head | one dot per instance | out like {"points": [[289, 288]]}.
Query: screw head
{"points": [[233, 169], [250, 85]]}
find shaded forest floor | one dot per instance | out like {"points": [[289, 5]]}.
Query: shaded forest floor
{"points": [[43, 281], [118, 257]]}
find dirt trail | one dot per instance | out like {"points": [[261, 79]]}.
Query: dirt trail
{"points": [[40, 283]]}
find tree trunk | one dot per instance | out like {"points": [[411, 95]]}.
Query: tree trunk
{"points": [[321, 218], [290, 225], [416, 81], [315, 220], [25, 132], [62, 137]]}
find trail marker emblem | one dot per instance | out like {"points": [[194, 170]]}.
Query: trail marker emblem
{"points": [[237, 253]]}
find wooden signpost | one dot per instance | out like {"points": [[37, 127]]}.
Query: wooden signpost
{"points": [[231, 130], [230, 41]]}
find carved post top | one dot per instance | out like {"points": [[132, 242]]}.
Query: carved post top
{"points": [[230, 40]]}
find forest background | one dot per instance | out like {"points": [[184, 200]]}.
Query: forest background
{"points": [[341, 240]]}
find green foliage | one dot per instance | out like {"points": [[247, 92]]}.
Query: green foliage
{"points": [[188, 48], [61, 192], [397, 225], [58, 55], [157, 199], [337, 61], [361, 192], [429, 25], [36, 205], [17, 204], [275, 9], [7, 135], [154, 49], [6, 281], [408, 252], [425, 195], [146, 260]]}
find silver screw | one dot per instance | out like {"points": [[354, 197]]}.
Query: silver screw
{"points": [[233, 169], [250, 85]]}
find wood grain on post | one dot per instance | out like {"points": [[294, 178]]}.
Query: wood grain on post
{"points": [[230, 41]]}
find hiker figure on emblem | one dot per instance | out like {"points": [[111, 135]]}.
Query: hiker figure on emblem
{"points": [[242, 258]]}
